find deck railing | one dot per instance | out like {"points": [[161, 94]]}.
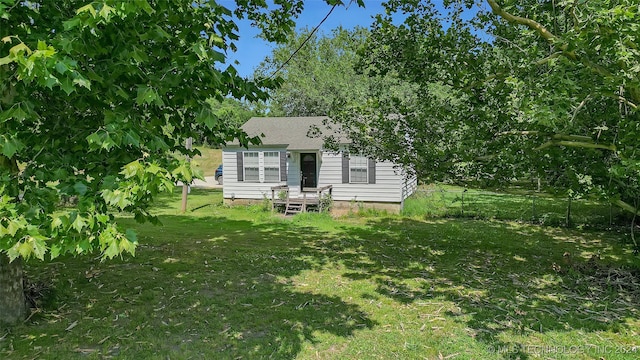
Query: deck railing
{"points": [[286, 199]]}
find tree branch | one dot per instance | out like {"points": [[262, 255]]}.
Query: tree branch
{"points": [[580, 144], [626, 206], [555, 137], [547, 35]]}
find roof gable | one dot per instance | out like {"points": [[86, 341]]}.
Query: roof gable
{"points": [[293, 133]]}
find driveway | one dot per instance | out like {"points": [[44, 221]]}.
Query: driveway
{"points": [[209, 183]]}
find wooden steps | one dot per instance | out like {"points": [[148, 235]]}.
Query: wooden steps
{"points": [[294, 208], [310, 199]]}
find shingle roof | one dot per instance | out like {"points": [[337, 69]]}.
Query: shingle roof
{"points": [[295, 133]]}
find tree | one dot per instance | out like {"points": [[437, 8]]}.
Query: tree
{"points": [[321, 71], [550, 88], [322, 77], [233, 112], [94, 100]]}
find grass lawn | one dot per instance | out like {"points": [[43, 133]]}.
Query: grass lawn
{"points": [[538, 208], [209, 160], [231, 283]]}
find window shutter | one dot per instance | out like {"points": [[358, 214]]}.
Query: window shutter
{"points": [[345, 168], [283, 166], [372, 171], [240, 164]]}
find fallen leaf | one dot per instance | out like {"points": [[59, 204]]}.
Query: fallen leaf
{"points": [[73, 324]]}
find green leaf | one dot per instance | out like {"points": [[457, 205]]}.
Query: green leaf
{"points": [[61, 67], [103, 218], [67, 86], [146, 95], [132, 138], [144, 4], [207, 117], [100, 140], [106, 11], [183, 172], [20, 48], [80, 188], [38, 246], [83, 246], [14, 226], [13, 252], [22, 248], [122, 93], [51, 81], [112, 249], [131, 235], [7, 60], [70, 24], [82, 82], [11, 146], [54, 251], [132, 169], [87, 8], [56, 223], [79, 223]]}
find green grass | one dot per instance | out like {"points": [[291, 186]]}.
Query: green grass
{"points": [[209, 160], [538, 208], [229, 283]]}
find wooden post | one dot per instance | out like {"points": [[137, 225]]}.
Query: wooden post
{"points": [[304, 202], [185, 187], [286, 206], [273, 199]]}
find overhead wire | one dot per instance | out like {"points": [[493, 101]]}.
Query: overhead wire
{"points": [[303, 43]]}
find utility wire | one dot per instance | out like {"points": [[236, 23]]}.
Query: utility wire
{"points": [[303, 43]]}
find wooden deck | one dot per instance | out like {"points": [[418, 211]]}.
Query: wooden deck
{"points": [[310, 199]]}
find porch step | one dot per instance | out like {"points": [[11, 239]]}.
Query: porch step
{"points": [[293, 209]]}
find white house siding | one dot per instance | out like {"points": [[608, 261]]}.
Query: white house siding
{"points": [[388, 186], [234, 189], [391, 186], [409, 185]]}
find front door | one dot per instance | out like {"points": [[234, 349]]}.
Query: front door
{"points": [[309, 170]]}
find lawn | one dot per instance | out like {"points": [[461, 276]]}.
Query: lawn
{"points": [[209, 160], [231, 283], [523, 206]]}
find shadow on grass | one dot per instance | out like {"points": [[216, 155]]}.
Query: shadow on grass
{"points": [[222, 287], [209, 287], [501, 288]]}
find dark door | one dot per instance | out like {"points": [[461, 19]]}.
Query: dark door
{"points": [[309, 173]]}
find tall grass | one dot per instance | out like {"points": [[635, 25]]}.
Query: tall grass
{"points": [[537, 208]]}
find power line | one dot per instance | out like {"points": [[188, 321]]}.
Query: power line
{"points": [[303, 43]]}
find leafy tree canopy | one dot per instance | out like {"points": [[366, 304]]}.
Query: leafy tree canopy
{"points": [[508, 89], [323, 74], [94, 96]]}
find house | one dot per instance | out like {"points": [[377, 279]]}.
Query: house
{"points": [[290, 161]]}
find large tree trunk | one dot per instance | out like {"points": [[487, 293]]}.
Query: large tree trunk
{"points": [[12, 301]]}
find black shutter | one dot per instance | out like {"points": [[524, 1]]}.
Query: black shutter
{"points": [[283, 166], [240, 164], [345, 168], [372, 171]]}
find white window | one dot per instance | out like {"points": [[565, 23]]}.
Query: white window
{"points": [[251, 166], [271, 166], [358, 166]]}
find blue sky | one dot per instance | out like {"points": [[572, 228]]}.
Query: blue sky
{"points": [[252, 50]]}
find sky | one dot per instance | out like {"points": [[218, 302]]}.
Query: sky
{"points": [[252, 50]]}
